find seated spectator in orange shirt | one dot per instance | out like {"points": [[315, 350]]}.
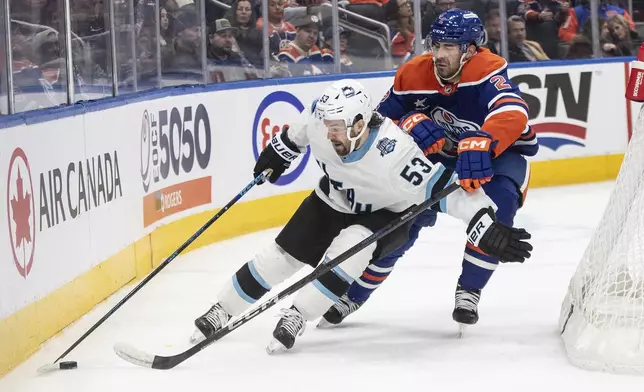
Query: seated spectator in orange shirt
{"points": [[402, 29]]}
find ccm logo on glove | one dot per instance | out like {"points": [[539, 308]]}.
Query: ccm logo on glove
{"points": [[412, 121], [474, 144]]}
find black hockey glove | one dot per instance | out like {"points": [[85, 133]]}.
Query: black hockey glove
{"points": [[277, 156], [497, 239]]}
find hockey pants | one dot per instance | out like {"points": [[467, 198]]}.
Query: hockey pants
{"points": [[477, 267]]}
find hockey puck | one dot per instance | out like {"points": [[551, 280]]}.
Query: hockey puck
{"points": [[67, 365]]}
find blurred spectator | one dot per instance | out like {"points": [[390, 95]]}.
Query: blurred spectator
{"points": [[376, 2], [186, 45], [164, 26], [493, 30], [520, 49], [249, 38], [579, 17], [401, 23], [580, 48], [302, 56], [224, 64], [33, 11], [147, 42], [617, 37], [346, 65], [88, 17], [543, 18], [280, 31], [433, 8]]}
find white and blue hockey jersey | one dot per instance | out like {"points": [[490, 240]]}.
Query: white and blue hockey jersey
{"points": [[388, 171]]}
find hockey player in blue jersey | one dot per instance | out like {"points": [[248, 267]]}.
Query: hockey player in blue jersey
{"points": [[462, 109]]}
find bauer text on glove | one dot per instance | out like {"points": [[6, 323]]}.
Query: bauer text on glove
{"points": [[277, 156], [496, 239]]}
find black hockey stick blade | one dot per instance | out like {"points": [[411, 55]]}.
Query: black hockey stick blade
{"points": [[141, 358], [55, 366]]}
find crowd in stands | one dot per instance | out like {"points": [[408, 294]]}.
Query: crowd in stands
{"points": [[375, 35]]}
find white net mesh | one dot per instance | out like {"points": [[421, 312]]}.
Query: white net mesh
{"points": [[602, 316]]}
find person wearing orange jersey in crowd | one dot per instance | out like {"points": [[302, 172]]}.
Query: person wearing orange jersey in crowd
{"points": [[459, 105]]}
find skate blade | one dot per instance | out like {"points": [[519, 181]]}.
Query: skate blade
{"points": [[275, 346], [461, 330], [197, 337], [324, 324]]}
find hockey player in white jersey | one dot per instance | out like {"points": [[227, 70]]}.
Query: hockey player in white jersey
{"points": [[373, 171]]}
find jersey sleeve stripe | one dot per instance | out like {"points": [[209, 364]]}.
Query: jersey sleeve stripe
{"points": [[505, 109], [502, 101], [499, 96], [289, 57]]}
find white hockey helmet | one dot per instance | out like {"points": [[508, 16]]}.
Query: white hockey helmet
{"points": [[346, 100]]}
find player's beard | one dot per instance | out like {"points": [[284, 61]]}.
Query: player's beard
{"points": [[445, 69], [342, 149]]}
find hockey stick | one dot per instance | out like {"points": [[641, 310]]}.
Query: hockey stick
{"points": [[72, 364], [141, 358]]}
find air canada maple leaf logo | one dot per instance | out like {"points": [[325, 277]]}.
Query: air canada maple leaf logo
{"points": [[21, 212]]}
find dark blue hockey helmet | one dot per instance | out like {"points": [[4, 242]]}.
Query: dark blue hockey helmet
{"points": [[458, 27]]}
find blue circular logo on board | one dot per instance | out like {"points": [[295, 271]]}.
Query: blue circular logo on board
{"points": [[276, 110]]}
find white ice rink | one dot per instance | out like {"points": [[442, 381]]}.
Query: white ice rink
{"points": [[403, 340]]}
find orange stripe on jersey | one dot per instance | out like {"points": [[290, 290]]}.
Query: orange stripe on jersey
{"points": [[506, 128], [525, 191], [507, 100], [373, 277], [475, 248]]}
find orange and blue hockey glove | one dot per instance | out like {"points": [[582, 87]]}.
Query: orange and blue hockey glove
{"points": [[474, 162], [429, 136]]}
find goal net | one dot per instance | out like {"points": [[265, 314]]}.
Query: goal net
{"points": [[602, 316]]}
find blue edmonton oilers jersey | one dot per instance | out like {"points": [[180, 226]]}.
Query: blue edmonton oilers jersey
{"points": [[483, 99]]}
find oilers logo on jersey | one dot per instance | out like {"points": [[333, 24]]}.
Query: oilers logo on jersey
{"points": [[452, 124]]}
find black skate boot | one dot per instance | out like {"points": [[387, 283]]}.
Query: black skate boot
{"points": [[466, 308], [291, 325], [209, 323], [338, 312]]}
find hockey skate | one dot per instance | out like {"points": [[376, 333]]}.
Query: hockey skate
{"points": [[466, 308], [338, 312], [209, 323], [291, 325]]}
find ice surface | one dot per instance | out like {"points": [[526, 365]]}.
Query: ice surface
{"points": [[403, 340]]}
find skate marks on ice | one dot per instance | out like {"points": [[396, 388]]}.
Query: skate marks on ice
{"points": [[402, 339]]}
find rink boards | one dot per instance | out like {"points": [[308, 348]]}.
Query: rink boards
{"points": [[98, 194]]}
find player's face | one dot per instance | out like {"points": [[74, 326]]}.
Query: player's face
{"points": [[337, 135], [447, 57]]}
